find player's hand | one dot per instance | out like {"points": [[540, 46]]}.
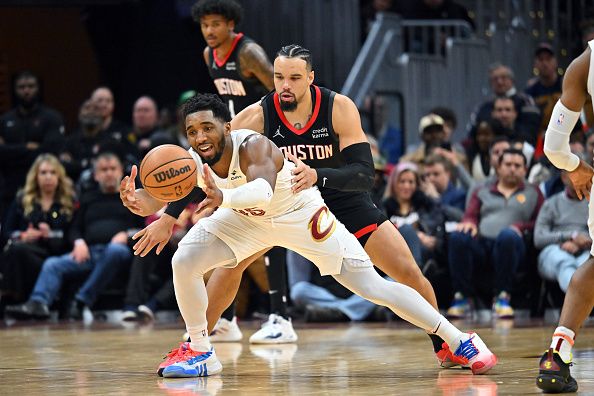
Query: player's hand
{"points": [[581, 178], [127, 192], [304, 176], [214, 195], [467, 228], [157, 234]]}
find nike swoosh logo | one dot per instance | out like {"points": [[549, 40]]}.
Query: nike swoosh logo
{"points": [[273, 336], [324, 182]]}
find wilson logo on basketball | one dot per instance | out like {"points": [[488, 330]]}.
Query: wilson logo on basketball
{"points": [[170, 173], [322, 224]]}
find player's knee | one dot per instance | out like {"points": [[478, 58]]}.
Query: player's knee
{"points": [[183, 262]]}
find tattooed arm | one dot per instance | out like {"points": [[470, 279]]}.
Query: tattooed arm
{"points": [[254, 62]]}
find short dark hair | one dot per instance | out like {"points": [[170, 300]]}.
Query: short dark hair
{"points": [[229, 9], [205, 102], [498, 139], [296, 51], [512, 151], [25, 74], [434, 159]]}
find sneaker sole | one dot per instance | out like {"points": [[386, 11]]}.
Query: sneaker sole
{"points": [[552, 383], [482, 366], [215, 339], [180, 372]]}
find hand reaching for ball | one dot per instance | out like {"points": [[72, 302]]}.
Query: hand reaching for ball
{"points": [[214, 195], [136, 200]]}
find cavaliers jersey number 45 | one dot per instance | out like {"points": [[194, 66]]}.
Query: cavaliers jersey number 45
{"points": [[236, 90], [316, 144]]}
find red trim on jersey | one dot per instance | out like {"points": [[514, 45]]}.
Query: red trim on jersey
{"points": [[214, 51], [365, 230], [311, 120]]}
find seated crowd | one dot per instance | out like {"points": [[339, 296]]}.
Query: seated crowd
{"points": [[483, 217]]}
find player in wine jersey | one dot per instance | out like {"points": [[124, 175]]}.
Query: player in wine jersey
{"points": [[242, 75], [247, 180], [578, 83]]}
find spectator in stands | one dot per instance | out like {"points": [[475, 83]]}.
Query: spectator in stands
{"points": [[505, 112], [143, 297], [145, 117], [99, 233], [420, 220], [432, 131], [477, 151], [26, 131], [118, 130], [497, 218], [545, 88], [561, 231], [438, 183], [36, 224], [501, 78]]}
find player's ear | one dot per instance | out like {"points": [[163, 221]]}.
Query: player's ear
{"points": [[231, 25], [227, 128], [310, 77]]}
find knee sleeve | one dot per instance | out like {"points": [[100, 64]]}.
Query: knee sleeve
{"points": [[200, 251]]}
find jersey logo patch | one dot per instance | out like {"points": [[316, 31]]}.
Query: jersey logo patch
{"points": [[278, 133], [322, 224]]}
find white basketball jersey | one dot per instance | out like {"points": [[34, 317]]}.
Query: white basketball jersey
{"points": [[283, 199]]}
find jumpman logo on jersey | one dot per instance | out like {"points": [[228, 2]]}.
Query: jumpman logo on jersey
{"points": [[277, 133]]}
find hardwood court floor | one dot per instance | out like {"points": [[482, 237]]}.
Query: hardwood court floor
{"points": [[368, 359]]}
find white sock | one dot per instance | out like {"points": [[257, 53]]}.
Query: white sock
{"points": [[449, 333], [563, 342]]}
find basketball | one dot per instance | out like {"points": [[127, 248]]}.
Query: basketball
{"points": [[168, 172]]}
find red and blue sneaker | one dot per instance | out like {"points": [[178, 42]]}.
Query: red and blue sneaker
{"points": [[174, 356], [195, 364], [473, 353]]}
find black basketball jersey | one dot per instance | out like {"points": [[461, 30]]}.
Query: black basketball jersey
{"points": [[316, 144], [238, 91]]}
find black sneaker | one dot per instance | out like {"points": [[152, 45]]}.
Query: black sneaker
{"points": [[30, 310], [316, 313], [76, 310], [554, 375]]}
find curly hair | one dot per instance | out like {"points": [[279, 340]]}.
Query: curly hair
{"points": [[229, 9], [64, 193], [206, 101]]}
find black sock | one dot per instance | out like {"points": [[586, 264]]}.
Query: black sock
{"points": [[277, 280], [229, 313], [437, 342]]}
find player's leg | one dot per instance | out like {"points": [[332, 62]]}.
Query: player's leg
{"points": [[388, 251], [198, 252], [278, 329], [360, 277], [222, 288], [554, 374]]}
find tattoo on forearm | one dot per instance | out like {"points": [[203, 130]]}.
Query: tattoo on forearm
{"points": [[254, 63]]}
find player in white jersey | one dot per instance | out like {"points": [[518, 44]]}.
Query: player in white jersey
{"points": [[554, 375], [246, 177]]}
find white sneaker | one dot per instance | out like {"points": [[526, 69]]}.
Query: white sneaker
{"points": [[226, 331], [277, 330]]}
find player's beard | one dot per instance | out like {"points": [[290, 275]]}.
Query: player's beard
{"points": [[288, 106], [210, 162]]}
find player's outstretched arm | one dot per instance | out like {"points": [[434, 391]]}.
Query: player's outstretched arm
{"points": [[255, 63], [137, 200], [358, 174], [563, 119]]}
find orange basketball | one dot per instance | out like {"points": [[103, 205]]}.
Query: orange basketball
{"points": [[168, 172]]}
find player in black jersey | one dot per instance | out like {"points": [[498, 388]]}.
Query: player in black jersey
{"points": [[320, 130], [239, 67], [242, 75]]}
